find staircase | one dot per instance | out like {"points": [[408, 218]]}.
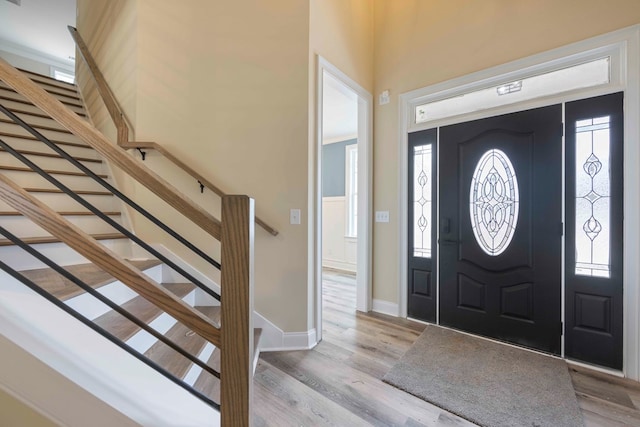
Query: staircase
{"points": [[196, 371], [26, 144]]}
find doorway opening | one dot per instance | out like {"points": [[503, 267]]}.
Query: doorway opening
{"points": [[339, 193], [343, 204]]}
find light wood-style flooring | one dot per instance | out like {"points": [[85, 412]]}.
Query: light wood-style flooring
{"points": [[338, 383]]}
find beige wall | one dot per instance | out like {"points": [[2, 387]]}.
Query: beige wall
{"points": [[342, 32], [419, 43], [109, 27], [15, 413], [223, 86]]}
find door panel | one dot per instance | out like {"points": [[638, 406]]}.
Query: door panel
{"points": [[594, 211], [422, 293], [500, 234]]}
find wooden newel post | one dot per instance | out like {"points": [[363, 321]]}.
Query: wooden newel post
{"points": [[236, 369]]}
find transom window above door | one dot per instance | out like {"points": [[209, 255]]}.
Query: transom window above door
{"points": [[580, 76]]}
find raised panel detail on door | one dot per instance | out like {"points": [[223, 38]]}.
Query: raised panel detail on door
{"points": [[471, 293], [516, 301]]}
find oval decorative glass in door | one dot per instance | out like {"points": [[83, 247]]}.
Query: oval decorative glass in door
{"points": [[493, 202]]}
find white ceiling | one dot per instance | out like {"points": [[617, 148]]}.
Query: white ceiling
{"points": [[39, 25], [340, 111]]}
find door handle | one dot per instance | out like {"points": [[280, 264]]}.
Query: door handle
{"points": [[448, 242]]}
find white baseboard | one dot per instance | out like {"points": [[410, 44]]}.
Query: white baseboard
{"points": [[275, 339], [386, 307]]}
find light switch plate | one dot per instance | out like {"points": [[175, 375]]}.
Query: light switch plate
{"points": [[294, 217], [382, 216]]}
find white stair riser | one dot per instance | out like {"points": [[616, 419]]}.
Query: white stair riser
{"points": [[23, 227], [116, 291], [34, 180], [60, 253], [52, 163], [62, 202], [142, 341], [194, 372]]}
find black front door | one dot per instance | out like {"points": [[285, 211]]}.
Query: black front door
{"points": [[501, 227]]}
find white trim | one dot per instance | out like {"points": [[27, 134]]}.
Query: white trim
{"points": [[600, 369], [365, 195], [275, 339], [386, 307], [348, 150], [624, 47], [289, 341]]}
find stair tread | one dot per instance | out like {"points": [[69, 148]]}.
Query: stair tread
{"points": [[55, 156], [90, 274], [206, 383], [209, 385], [36, 126], [51, 89], [49, 171], [145, 311], [70, 103], [182, 336], [25, 102], [32, 113], [33, 138], [48, 80], [53, 239]]}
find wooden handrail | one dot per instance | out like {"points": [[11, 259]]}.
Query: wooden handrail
{"points": [[123, 128], [102, 145], [104, 90], [189, 170], [74, 237]]}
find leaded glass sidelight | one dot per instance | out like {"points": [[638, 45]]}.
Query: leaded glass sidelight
{"points": [[493, 202], [593, 197], [422, 200]]}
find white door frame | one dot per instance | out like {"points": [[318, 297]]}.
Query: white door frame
{"points": [[624, 47], [365, 199]]}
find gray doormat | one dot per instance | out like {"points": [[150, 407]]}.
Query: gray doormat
{"points": [[490, 384]]}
